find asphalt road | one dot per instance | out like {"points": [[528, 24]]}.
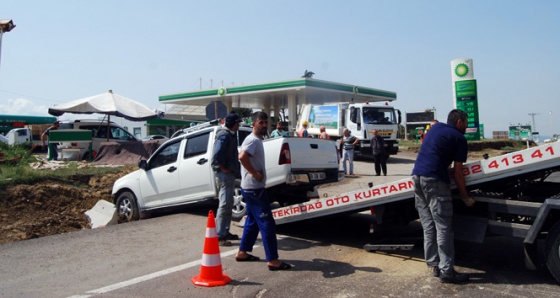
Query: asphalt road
{"points": [[159, 256]]}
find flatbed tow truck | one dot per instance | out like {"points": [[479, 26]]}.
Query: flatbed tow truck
{"points": [[512, 193]]}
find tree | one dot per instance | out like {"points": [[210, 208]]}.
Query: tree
{"points": [[243, 112]]}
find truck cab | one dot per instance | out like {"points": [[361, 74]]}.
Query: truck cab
{"points": [[359, 118], [19, 136]]}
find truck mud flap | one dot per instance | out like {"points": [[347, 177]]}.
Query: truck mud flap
{"points": [[470, 229]]}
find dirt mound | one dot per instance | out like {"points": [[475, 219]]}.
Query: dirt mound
{"points": [[52, 207], [128, 153], [492, 148], [504, 145]]}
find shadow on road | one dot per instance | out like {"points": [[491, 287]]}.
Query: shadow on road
{"points": [[500, 260]]}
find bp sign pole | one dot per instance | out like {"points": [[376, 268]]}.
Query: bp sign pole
{"points": [[465, 95]]}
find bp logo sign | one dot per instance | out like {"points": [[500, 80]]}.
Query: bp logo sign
{"points": [[222, 91], [461, 70]]}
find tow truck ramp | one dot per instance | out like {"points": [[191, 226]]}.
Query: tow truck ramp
{"points": [[509, 165]]}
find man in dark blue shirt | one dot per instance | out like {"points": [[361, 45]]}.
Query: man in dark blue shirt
{"points": [[226, 164], [444, 145]]}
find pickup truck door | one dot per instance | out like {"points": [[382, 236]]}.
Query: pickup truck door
{"points": [[160, 182], [196, 175]]}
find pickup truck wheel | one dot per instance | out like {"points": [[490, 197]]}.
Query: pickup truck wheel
{"points": [[127, 207], [553, 251], [239, 208]]}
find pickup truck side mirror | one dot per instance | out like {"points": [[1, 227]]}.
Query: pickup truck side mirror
{"points": [[143, 164]]}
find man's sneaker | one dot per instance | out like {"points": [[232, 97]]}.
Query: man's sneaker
{"points": [[223, 242], [435, 271], [453, 278], [230, 236]]}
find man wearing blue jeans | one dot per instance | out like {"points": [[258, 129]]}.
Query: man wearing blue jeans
{"points": [[445, 144], [226, 164], [348, 143], [259, 215]]}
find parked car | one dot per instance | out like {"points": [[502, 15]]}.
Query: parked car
{"points": [[159, 138], [101, 132], [180, 172]]}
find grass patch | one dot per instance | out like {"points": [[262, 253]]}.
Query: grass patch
{"points": [[15, 167]]}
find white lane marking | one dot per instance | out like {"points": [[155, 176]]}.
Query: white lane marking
{"points": [[147, 277]]}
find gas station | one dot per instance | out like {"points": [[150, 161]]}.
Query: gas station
{"points": [[275, 97]]}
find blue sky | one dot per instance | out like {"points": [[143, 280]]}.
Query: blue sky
{"points": [[65, 50]]}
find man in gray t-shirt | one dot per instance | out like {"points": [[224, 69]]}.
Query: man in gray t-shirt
{"points": [[253, 146], [259, 214]]}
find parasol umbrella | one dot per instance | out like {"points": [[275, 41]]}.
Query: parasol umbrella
{"points": [[109, 104]]}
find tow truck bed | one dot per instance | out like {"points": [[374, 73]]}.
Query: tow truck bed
{"points": [[535, 159]]}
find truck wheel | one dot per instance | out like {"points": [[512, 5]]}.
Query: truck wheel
{"points": [[553, 251], [239, 208], [127, 207]]}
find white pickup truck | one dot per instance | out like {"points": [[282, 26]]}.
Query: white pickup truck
{"points": [[180, 172]]}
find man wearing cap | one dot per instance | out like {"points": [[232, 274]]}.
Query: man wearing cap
{"points": [[302, 133], [52, 152], [226, 164]]}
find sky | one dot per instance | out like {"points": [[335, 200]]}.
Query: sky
{"points": [[65, 50]]}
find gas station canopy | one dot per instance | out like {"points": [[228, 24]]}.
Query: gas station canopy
{"points": [[252, 96], [282, 94]]}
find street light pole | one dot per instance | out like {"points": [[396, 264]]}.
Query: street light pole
{"points": [[5, 26], [550, 123]]}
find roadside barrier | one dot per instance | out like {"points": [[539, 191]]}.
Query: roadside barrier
{"points": [[211, 274]]}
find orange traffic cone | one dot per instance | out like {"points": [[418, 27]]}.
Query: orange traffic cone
{"points": [[211, 274]]}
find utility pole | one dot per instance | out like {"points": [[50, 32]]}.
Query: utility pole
{"points": [[5, 26], [534, 128]]}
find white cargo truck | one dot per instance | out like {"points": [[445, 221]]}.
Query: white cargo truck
{"points": [[359, 118]]}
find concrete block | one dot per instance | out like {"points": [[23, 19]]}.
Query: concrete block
{"points": [[102, 214]]}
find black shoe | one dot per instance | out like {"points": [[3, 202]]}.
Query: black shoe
{"points": [[224, 242], [376, 174], [454, 278], [435, 271], [230, 236]]}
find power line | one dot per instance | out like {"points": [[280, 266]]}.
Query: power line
{"points": [[29, 96]]}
